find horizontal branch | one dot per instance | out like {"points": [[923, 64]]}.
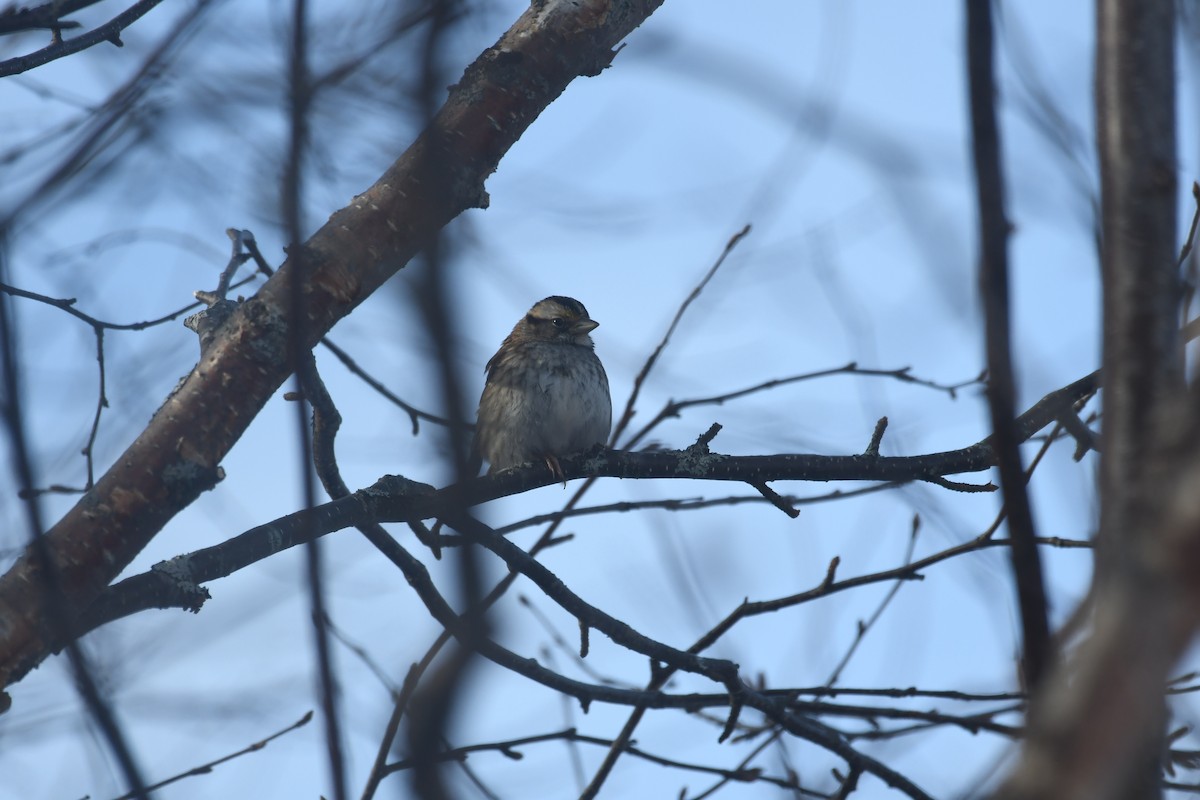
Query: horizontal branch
{"points": [[176, 583], [796, 466]]}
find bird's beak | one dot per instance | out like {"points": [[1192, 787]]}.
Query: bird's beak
{"points": [[584, 326]]}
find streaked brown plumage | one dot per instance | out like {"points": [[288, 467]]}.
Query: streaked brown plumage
{"points": [[546, 393]]}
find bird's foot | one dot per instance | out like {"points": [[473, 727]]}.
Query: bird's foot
{"points": [[555, 470]]}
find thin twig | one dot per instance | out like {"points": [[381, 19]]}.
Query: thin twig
{"points": [[509, 747], [1186, 250], [68, 305], [98, 327], [863, 627], [205, 769], [688, 504], [627, 414], [108, 32], [744, 765], [674, 407], [415, 414], [365, 657]]}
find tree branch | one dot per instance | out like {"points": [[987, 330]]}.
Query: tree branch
{"points": [[47, 15], [175, 583], [1096, 728], [177, 457], [1001, 385]]}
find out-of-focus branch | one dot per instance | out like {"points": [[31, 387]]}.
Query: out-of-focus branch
{"points": [[47, 589], [1097, 725], [178, 455], [47, 16], [1001, 384], [441, 696], [300, 359]]}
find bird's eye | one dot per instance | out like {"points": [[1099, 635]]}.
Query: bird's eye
{"points": [[559, 323]]}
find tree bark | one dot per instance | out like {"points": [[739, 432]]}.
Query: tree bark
{"points": [[442, 174]]}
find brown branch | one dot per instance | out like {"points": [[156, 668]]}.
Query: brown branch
{"points": [[177, 457], [1097, 728]]}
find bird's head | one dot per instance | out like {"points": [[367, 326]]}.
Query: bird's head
{"points": [[558, 319]]}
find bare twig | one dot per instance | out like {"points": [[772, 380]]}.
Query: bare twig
{"points": [[48, 16], [864, 626], [688, 504], [240, 240], [903, 374], [1186, 250], [103, 120], [509, 748], [638, 381], [68, 305], [363, 655], [415, 414], [876, 437], [774, 498], [108, 32], [205, 769]]}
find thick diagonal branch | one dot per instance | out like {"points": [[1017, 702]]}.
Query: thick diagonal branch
{"points": [[440, 175]]}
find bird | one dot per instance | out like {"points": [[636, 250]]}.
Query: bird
{"points": [[546, 392]]}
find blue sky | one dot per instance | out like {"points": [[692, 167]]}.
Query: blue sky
{"points": [[837, 129]]}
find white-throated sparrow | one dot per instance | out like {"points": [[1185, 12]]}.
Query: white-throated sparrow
{"points": [[546, 393]]}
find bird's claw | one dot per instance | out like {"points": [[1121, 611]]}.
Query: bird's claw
{"points": [[555, 469]]}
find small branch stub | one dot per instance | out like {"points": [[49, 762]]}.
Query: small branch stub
{"points": [[876, 437], [775, 499]]}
